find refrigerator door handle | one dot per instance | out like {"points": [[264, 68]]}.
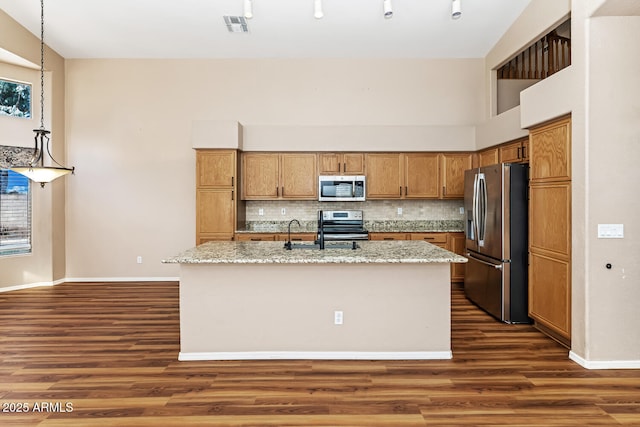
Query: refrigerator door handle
{"points": [[474, 209], [496, 266], [481, 203]]}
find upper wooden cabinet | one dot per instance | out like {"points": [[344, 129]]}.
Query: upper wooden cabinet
{"points": [[279, 176], [490, 156], [341, 163], [416, 175], [385, 175], [452, 167], [216, 168], [550, 147], [421, 176], [515, 152], [402, 175], [218, 208]]}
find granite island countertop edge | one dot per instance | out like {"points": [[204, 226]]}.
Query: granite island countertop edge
{"points": [[269, 252]]}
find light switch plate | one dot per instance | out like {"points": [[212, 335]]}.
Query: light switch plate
{"points": [[610, 231]]}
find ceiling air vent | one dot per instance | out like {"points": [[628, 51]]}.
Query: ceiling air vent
{"points": [[236, 24]]}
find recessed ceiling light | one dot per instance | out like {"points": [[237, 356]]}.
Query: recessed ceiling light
{"points": [[236, 24]]}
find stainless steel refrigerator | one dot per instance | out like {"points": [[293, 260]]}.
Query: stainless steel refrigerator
{"points": [[496, 205]]}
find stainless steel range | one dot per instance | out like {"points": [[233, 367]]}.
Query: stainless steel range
{"points": [[346, 225]]}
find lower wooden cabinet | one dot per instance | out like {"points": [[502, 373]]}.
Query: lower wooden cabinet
{"points": [[456, 243]]}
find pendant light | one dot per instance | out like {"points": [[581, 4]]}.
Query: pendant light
{"points": [[35, 170]]}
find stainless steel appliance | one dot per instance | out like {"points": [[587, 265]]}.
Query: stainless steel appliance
{"points": [[495, 200], [345, 225], [341, 188]]}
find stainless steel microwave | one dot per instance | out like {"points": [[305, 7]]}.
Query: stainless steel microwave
{"points": [[341, 188]]}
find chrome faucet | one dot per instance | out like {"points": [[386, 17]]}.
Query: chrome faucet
{"points": [[288, 244]]}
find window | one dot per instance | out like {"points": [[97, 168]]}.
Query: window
{"points": [[15, 99], [15, 213]]}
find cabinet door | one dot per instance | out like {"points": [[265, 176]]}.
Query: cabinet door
{"points": [[550, 219], [513, 152], [421, 176], [384, 175], [456, 244], [549, 152], [216, 213], [452, 174], [488, 157], [329, 163], [353, 163], [298, 176], [260, 173], [550, 294], [215, 168]]}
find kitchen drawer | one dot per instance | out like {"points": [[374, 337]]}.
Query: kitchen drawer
{"points": [[297, 237], [255, 237], [388, 236], [438, 239]]}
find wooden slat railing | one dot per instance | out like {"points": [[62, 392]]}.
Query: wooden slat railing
{"points": [[543, 58]]}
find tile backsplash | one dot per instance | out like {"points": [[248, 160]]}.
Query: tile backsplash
{"points": [[374, 210]]}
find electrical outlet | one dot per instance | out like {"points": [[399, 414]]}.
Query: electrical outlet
{"points": [[461, 210], [337, 318], [139, 259], [399, 211], [283, 211], [261, 212]]}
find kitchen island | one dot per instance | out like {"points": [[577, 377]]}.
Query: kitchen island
{"points": [[256, 300]]}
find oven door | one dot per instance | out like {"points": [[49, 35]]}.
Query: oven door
{"points": [[342, 188]]}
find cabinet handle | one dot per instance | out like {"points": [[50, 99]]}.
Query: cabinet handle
{"points": [[232, 195], [518, 155], [406, 190], [277, 191], [282, 192], [344, 167], [401, 191], [444, 190], [232, 181], [524, 151]]}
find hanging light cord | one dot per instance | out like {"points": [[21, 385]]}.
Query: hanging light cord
{"points": [[42, 64]]}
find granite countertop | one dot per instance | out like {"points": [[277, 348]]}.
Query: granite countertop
{"points": [[370, 252], [423, 226]]}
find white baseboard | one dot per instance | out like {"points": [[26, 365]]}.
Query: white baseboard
{"points": [[316, 355], [89, 279], [30, 285], [121, 279], [604, 364]]}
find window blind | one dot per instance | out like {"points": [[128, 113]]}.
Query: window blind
{"points": [[15, 213]]}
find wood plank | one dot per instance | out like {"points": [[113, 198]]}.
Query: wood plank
{"points": [[111, 350]]}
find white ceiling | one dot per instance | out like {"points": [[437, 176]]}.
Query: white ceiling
{"points": [[279, 28]]}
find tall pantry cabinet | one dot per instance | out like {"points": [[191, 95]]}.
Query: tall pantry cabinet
{"points": [[219, 210], [550, 228]]}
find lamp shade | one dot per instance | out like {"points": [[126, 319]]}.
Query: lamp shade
{"points": [[42, 174]]}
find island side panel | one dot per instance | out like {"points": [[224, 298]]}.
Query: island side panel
{"points": [[287, 310]]}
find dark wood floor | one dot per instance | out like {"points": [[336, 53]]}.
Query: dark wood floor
{"points": [[106, 354]]}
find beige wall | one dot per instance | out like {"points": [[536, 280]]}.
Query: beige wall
{"points": [[131, 122], [613, 150], [46, 263]]}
